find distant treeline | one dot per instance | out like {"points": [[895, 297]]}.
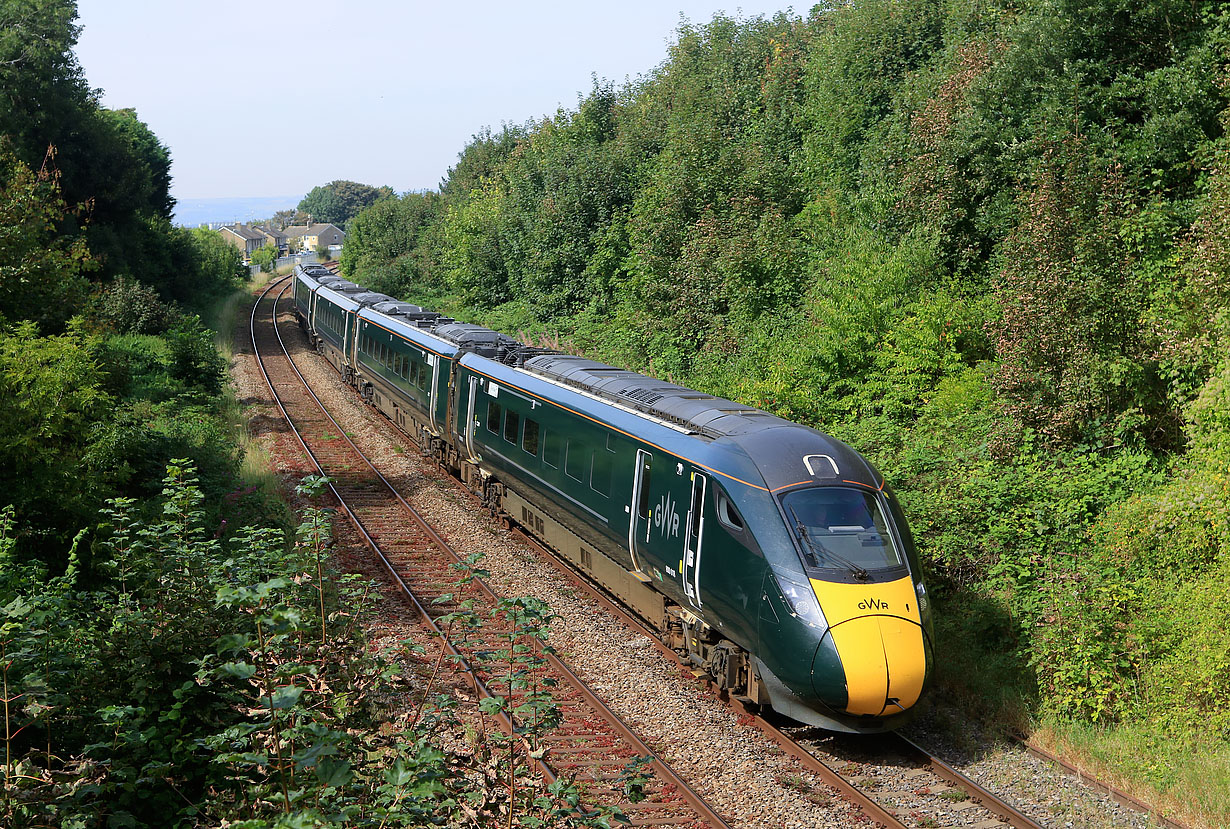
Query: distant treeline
{"points": [[985, 241]]}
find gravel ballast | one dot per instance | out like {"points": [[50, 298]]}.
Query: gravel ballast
{"points": [[738, 770]]}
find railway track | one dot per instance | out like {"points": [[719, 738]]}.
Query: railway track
{"points": [[590, 744], [917, 790], [893, 782]]}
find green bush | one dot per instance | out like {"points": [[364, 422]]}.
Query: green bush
{"points": [[128, 307]]}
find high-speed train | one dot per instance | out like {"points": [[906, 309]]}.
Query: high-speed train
{"points": [[774, 556]]}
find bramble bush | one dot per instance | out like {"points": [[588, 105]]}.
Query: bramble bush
{"points": [[171, 677]]}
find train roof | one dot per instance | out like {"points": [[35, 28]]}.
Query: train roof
{"points": [[393, 306], [482, 341], [702, 413], [787, 454], [370, 298], [416, 331], [342, 298]]}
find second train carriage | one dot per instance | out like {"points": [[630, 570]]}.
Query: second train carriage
{"points": [[773, 555]]}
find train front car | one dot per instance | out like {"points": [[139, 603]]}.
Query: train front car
{"points": [[845, 627]]}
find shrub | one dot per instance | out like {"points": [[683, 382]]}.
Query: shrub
{"points": [[129, 307]]}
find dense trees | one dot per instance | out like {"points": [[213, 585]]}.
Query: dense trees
{"points": [[338, 201], [982, 241], [105, 371]]}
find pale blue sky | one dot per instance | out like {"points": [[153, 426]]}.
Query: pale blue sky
{"points": [[235, 89]]}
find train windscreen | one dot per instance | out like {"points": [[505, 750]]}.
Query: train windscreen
{"points": [[841, 528]]}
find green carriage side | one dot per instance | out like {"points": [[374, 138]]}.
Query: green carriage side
{"points": [[332, 320], [657, 500], [405, 371]]}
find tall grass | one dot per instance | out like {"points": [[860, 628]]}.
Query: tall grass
{"points": [[228, 318], [1187, 779]]}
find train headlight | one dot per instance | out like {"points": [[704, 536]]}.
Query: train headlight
{"points": [[802, 600], [924, 602]]}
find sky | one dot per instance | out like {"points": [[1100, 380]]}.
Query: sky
{"points": [[270, 99]]}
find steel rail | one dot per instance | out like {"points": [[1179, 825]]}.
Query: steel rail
{"points": [[809, 761], [1119, 796], [989, 801], [663, 771], [984, 798]]}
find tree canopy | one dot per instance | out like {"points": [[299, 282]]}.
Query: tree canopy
{"points": [[339, 201]]}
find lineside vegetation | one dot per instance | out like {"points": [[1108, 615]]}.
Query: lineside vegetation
{"points": [[985, 243]]}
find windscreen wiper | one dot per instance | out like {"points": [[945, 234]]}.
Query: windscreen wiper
{"points": [[814, 547]]}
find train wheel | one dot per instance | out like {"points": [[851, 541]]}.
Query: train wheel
{"points": [[724, 663]]}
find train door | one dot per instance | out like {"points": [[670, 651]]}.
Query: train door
{"points": [[641, 523], [471, 420], [693, 536], [434, 397]]}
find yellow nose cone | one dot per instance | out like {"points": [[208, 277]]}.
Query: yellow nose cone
{"points": [[878, 634], [884, 659]]}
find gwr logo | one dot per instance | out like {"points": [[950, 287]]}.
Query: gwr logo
{"points": [[872, 604], [666, 517]]}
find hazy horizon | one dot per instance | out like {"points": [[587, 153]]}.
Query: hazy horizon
{"points": [[382, 92], [190, 212]]}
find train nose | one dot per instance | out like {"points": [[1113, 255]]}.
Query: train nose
{"points": [[884, 662]]}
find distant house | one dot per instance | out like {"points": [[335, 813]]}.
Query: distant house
{"points": [[310, 237], [274, 237], [245, 238]]}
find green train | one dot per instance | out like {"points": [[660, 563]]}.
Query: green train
{"points": [[774, 556]]}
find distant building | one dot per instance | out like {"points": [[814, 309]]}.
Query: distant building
{"points": [[274, 237], [244, 238], [310, 237]]}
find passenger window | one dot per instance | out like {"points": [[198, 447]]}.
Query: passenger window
{"points": [[575, 463], [494, 414], [529, 441], [512, 422], [727, 513], [552, 446]]}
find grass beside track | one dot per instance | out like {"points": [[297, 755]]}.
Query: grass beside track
{"points": [[1187, 781], [227, 317]]}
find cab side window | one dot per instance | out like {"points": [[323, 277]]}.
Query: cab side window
{"points": [[732, 521]]}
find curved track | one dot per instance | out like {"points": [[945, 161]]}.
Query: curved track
{"points": [[591, 744], [936, 794], [895, 783]]}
